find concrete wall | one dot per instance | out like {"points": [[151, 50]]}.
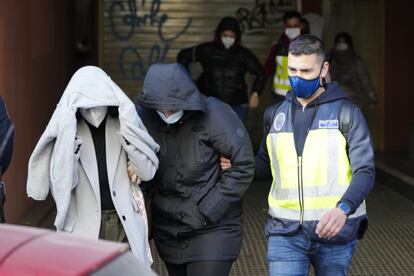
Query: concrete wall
{"points": [[399, 60], [36, 56], [382, 37]]}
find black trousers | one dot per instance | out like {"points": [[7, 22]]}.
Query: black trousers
{"points": [[208, 268]]}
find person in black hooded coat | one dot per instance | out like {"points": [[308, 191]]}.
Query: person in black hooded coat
{"points": [[350, 71], [225, 62], [196, 207], [6, 149]]}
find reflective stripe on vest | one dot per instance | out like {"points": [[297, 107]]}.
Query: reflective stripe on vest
{"points": [[281, 84], [325, 171]]}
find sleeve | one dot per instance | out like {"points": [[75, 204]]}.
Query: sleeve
{"points": [[185, 57], [361, 156], [140, 147], [144, 166], [366, 84], [270, 64], [229, 137], [6, 138], [43, 170], [76, 153], [263, 171], [146, 185], [254, 67]]}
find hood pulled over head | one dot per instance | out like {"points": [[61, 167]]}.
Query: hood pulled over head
{"points": [[170, 87], [228, 23]]}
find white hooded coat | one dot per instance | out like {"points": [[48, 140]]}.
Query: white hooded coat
{"points": [[72, 175]]}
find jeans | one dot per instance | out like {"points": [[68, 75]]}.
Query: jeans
{"points": [[292, 255], [241, 111]]}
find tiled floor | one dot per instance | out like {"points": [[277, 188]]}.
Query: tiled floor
{"points": [[387, 248]]}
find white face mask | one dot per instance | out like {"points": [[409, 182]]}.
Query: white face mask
{"points": [[292, 32], [341, 46], [94, 115], [227, 41], [173, 118]]}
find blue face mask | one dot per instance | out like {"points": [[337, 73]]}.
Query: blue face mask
{"points": [[303, 88]]}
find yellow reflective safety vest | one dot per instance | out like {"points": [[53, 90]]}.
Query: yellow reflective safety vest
{"points": [[281, 84], [305, 187]]}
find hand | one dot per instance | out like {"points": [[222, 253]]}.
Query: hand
{"points": [[254, 100], [132, 175], [224, 163], [331, 223]]}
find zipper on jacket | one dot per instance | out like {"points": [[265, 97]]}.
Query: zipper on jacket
{"points": [[300, 190], [223, 74], [300, 177], [299, 160], [300, 157]]}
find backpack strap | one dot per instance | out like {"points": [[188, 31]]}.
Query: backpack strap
{"points": [[269, 116], [345, 119]]}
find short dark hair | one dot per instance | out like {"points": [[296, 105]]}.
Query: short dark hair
{"points": [[291, 14], [307, 45]]}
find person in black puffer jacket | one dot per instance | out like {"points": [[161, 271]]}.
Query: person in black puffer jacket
{"points": [[225, 62], [197, 219]]}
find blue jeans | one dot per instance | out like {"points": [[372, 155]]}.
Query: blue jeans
{"points": [[292, 255], [241, 111]]}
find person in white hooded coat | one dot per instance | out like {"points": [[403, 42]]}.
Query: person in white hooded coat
{"points": [[69, 160]]}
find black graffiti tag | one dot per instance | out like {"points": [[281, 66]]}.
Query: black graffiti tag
{"points": [[133, 21], [263, 13], [125, 21]]}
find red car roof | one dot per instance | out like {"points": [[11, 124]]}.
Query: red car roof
{"points": [[33, 251]]}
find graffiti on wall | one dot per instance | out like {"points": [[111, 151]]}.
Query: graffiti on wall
{"points": [[125, 19], [262, 14]]}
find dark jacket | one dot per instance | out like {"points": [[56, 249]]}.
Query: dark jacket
{"points": [[197, 208], [224, 69], [360, 154], [348, 69], [6, 138], [6, 149], [279, 48]]}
